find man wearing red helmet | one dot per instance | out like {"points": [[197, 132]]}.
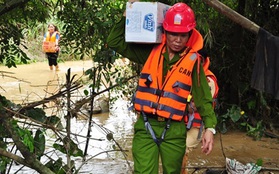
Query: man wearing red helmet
{"points": [[170, 73]]}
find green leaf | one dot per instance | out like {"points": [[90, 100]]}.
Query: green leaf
{"points": [[4, 161], [55, 166], [52, 120], [73, 151], [36, 114], [259, 162], [26, 137], [86, 92], [39, 143]]}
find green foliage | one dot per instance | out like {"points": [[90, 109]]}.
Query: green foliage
{"points": [[4, 102], [86, 92], [94, 74], [235, 116], [39, 143], [12, 54], [25, 135], [54, 121], [85, 26], [58, 167], [259, 162], [255, 132], [12, 24], [73, 150], [4, 161], [36, 114], [34, 144]]}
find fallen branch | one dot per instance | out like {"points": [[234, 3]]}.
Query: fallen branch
{"points": [[4, 74], [80, 103], [48, 99]]}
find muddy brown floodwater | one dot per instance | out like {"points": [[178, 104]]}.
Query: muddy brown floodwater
{"points": [[35, 77]]}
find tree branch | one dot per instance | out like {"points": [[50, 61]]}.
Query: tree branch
{"points": [[12, 4], [80, 103], [14, 157], [29, 157], [233, 15]]}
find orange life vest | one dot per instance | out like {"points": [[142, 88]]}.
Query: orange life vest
{"points": [[211, 79], [196, 119], [49, 43], [167, 99]]}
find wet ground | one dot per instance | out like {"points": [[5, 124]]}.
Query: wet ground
{"points": [[31, 82], [237, 145]]}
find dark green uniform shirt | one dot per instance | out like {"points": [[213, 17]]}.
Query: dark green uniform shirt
{"points": [[139, 53]]}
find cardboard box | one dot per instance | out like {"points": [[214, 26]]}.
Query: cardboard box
{"points": [[144, 21], [48, 47]]}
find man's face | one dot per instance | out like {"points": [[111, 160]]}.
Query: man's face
{"points": [[176, 41]]}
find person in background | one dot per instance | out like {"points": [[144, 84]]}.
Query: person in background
{"points": [[194, 123], [171, 71], [51, 39]]}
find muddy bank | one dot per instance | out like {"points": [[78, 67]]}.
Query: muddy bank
{"points": [[237, 145]]}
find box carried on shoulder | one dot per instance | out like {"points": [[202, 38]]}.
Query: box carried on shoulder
{"points": [[144, 21]]}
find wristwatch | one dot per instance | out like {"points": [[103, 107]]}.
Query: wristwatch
{"points": [[212, 130]]}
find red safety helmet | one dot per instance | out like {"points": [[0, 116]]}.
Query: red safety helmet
{"points": [[179, 18]]}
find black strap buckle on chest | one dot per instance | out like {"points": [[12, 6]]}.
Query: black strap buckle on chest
{"points": [[147, 77]]}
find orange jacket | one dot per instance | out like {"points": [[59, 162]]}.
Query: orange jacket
{"points": [[195, 118], [167, 99], [211, 78]]}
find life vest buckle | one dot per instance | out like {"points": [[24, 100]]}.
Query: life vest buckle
{"points": [[161, 119], [148, 81]]}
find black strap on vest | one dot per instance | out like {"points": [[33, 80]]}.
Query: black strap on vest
{"points": [[166, 128], [148, 128]]}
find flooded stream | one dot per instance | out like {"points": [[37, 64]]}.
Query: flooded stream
{"points": [[30, 85]]}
